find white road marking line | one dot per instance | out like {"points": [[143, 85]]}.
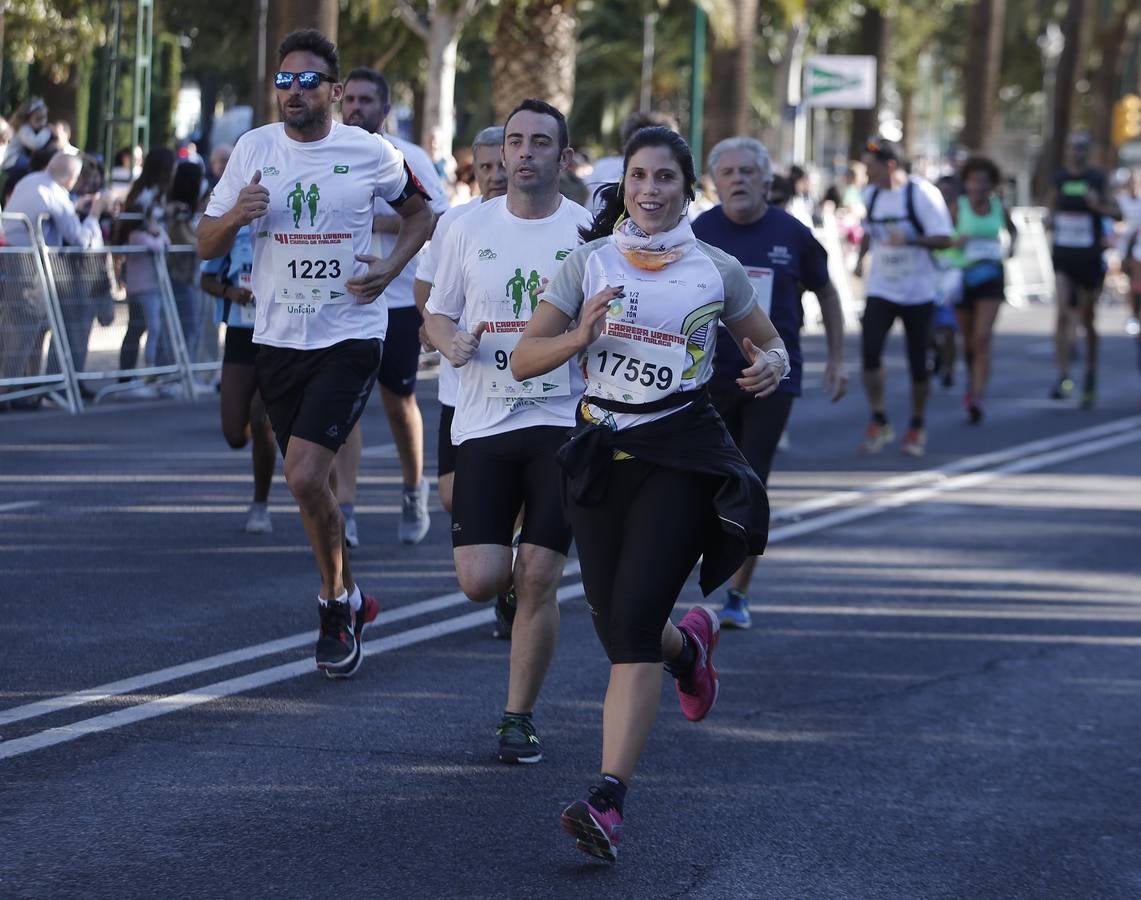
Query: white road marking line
{"points": [[221, 660], [1079, 447], [16, 507], [244, 683]]}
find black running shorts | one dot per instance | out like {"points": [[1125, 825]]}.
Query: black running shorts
{"points": [[754, 424], [317, 395], [445, 449], [401, 358], [498, 475], [240, 349]]}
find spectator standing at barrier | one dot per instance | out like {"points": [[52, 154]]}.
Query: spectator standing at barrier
{"points": [[366, 104], [154, 181], [181, 226], [980, 218], [782, 259], [1079, 201], [144, 296], [44, 193], [906, 219], [315, 287], [128, 165], [244, 420]]}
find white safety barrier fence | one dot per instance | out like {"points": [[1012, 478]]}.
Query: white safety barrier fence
{"points": [[68, 332], [28, 313], [1030, 272]]}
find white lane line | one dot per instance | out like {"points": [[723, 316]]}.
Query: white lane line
{"points": [[873, 506], [233, 657], [240, 685], [15, 507], [967, 464]]}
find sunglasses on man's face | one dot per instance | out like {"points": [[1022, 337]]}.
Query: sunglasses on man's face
{"points": [[283, 81]]}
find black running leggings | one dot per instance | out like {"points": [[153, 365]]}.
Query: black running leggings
{"points": [[636, 550], [880, 315]]}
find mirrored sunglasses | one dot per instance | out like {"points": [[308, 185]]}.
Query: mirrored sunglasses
{"points": [[283, 81]]}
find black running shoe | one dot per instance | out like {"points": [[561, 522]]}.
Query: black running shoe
{"points": [[518, 742], [362, 617], [504, 615], [337, 646]]}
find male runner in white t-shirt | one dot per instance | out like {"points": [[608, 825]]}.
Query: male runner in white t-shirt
{"points": [[906, 219], [365, 104], [306, 187], [487, 285]]}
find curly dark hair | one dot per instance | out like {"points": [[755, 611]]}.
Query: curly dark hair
{"points": [[981, 164]]}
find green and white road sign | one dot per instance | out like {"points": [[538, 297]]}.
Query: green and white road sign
{"points": [[840, 82]]}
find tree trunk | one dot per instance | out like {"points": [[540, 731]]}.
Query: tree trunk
{"points": [[871, 41], [983, 71], [293, 15], [440, 95], [1062, 113], [728, 109], [907, 115], [533, 54], [1111, 41]]}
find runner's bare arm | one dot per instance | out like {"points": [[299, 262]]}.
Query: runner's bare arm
{"points": [[832, 314], [216, 233], [546, 343], [418, 222], [457, 346]]}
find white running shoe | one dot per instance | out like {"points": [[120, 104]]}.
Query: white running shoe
{"points": [[258, 520], [414, 519]]}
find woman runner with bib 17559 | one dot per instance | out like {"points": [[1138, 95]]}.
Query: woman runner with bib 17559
{"points": [[652, 480]]}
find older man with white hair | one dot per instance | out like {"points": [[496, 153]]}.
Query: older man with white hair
{"points": [[24, 321], [48, 193]]}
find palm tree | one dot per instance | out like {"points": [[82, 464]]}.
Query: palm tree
{"points": [[534, 54]]}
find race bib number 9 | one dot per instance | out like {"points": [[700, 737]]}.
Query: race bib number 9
{"points": [[312, 268], [495, 348], [632, 364], [762, 281]]}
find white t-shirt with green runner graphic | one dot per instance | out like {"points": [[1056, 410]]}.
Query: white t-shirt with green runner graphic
{"points": [[320, 217], [490, 268]]}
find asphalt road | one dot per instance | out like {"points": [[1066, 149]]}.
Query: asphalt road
{"points": [[937, 699]]}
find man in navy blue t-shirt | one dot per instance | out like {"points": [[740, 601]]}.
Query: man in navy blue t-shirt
{"points": [[782, 259]]}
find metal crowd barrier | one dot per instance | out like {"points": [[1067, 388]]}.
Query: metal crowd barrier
{"points": [[28, 313], [100, 343]]}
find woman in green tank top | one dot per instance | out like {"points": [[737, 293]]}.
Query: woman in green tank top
{"points": [[980, 218]]}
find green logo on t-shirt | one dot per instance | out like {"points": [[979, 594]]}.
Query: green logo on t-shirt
{"points": [[518, 287], [340, 170], [297, 197]]}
